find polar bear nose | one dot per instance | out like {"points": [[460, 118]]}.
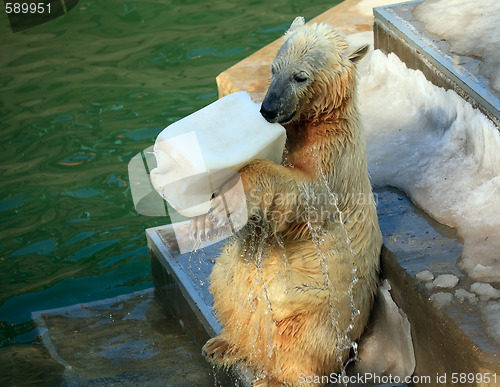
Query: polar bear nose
{"points": [[267, 113]]}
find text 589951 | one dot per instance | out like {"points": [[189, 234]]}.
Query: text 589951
{"points": [[31, 7]]}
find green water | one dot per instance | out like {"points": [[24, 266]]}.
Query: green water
{"points": [[79, 97]]}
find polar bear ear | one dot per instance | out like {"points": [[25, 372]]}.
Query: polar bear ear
{"points": [[359, 53], [298, 22]]}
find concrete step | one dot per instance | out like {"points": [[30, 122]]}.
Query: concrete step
{"points": [[122, 341]]}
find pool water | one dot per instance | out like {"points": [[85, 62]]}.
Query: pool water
{"points": [[79, 97]]}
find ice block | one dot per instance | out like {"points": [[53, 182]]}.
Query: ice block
{"points": [[199, 153]]}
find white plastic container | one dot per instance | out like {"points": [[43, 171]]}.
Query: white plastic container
{"points": [[198, 153]]}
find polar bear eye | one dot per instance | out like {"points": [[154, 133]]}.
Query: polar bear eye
{"points": [[300, 77]]}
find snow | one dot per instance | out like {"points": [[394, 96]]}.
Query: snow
{"points": [[446, 281], [471, 27], [444, 154]]}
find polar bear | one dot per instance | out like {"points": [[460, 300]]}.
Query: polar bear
{"points": [[294, 288]]}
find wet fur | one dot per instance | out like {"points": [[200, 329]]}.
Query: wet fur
{"points": [[268, 282]]}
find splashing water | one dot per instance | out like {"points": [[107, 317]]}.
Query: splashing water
{"points": [[259, 247], [354, 311], [318, 234]]}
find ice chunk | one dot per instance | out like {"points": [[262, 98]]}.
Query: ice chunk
{"points": [[442, 299], [425, 276], [485, 291], [198, 153], [387, 348], [462, 295], [446, 281]]}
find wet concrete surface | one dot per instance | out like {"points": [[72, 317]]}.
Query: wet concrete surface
{"points": [[124, 341]]}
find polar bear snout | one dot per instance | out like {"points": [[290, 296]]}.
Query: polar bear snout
{"points": [[273, 103], [280, 103], [268, 112]]}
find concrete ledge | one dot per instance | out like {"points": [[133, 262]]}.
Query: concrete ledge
{"points": [[121, 341]]}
